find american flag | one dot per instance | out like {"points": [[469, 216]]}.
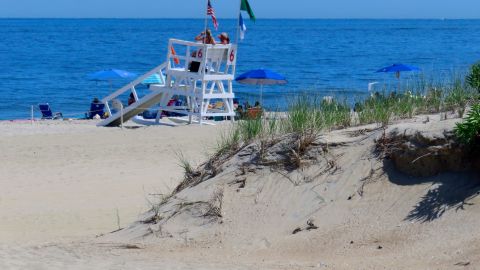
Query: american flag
{"points": [[211, 12]]}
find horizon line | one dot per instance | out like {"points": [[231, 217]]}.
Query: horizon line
{"points": [[225, 18]]}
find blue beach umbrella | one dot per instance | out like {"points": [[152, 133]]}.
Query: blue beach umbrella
{"points": [[111, 74], [261, 77], [397, 68], [154, 79]]}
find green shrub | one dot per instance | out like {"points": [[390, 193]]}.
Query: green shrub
{"points": [[473, 79], [469, 130]]}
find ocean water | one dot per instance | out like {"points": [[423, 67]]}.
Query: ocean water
{"points": [[47, 60]]}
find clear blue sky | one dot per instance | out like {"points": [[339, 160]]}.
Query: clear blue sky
{"points": [[227, 8]]}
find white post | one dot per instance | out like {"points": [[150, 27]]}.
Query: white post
{"points": [[135, 96], [261, 94], [206, 23], [190, 107], [121, 116], [31, 114], [237, 36], [108, 109]]}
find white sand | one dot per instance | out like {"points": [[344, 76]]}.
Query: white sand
{"points": [[62, 180]]}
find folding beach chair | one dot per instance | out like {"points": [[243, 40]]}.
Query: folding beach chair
{"points": [[47, 112], [150, 114], [96, 108], [254, 113]]}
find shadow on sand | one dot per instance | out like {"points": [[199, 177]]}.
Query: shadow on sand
{"points": [[448, 191]]}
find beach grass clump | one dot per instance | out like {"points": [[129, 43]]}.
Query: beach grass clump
{"points": [[190, 173], [334, 114], [404, 105], [376, 109], [303, 114], [250, 128], [311, 113], [273, 126], [184, 163], [229, 141], [457, 99], [432, 101]]}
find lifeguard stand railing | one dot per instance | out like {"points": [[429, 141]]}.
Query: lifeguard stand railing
{"points": [[119, 114], [202, 76]]}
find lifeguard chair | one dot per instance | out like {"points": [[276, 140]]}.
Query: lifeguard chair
{"points": [[197, 73]]}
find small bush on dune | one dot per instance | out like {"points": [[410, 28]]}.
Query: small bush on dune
{"points": [[468, 131], [473, 78]]}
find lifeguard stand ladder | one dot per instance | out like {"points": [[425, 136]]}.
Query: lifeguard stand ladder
{"points": [[200, 74]]}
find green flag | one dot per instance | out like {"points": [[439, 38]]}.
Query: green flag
{"points": [[245, 6]]}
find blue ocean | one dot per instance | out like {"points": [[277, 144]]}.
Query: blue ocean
{"points": [[48, 60]]}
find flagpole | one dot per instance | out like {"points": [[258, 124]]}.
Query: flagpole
{"points": [[238, 22], [206, 23]]}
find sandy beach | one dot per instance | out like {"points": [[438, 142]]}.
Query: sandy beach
{"points": [[71, 179], [66, 185]]}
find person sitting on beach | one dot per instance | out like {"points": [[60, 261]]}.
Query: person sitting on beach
{"points": [[224, 39], [96, 110], [131, 99], [239, 112], [257, 105], [206, 37]]}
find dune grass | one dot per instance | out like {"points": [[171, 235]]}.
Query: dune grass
{"points": [[308, 116]]}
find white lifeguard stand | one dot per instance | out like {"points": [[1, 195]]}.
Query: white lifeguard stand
{"points": [[197, 73]]}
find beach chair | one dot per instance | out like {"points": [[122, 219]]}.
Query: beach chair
{"points": [[96, 108], [47, 112], [219, 105], [254, 113], [150, 114]]}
